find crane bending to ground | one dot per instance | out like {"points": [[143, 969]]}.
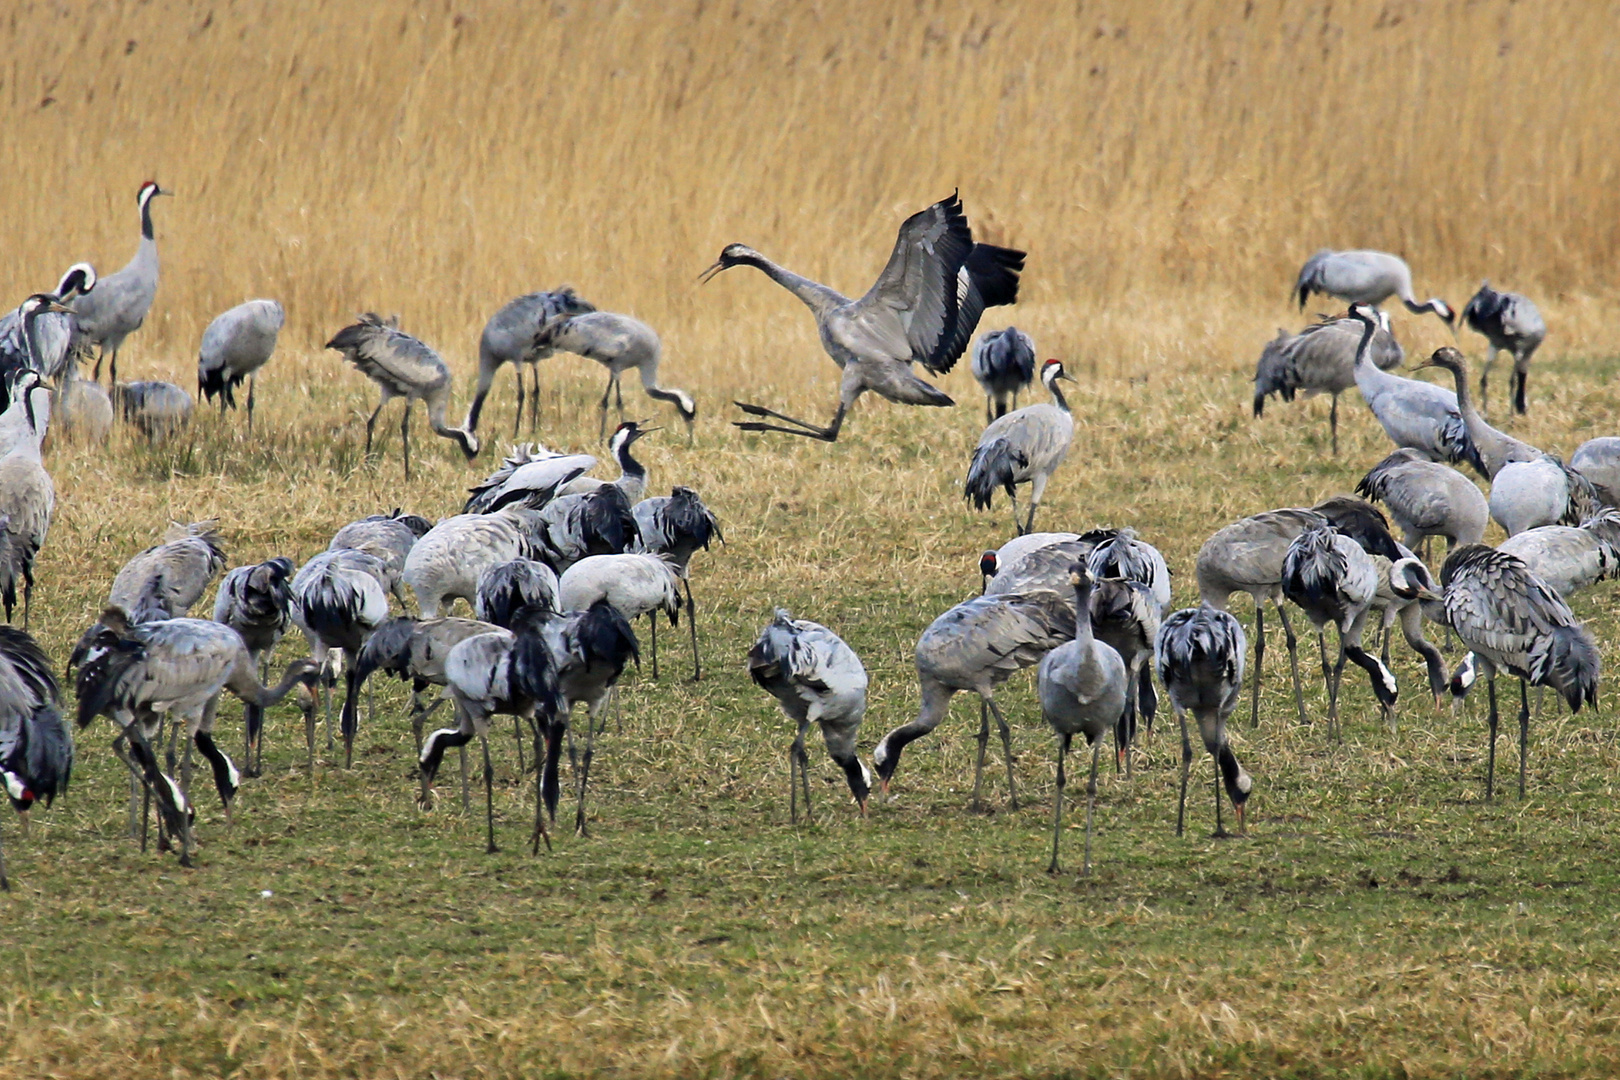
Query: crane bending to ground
{"points": [[1365, 277], [922, 310]]}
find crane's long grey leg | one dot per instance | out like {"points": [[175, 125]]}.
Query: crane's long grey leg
{"points": [[1057, 803], [1490, 765], [798, 763], [1186, 767], [618, 393], [810, 431], [1333, 424], [1524, 733], [1520, 378], [517, 421], [489, 798], [607, 393], [253, 382], [1293, 658], [534, 399], [1091, 805], [691, 622], [1484, 377], [371, 423], [978, 762], [1321, 649], [517, 733], [1333, 699], [1259, 657], [653, 618], [1006, 749], [466, 795], [541, 753], [112, 371], [405, 438], [1220, 832], [585, 775]]}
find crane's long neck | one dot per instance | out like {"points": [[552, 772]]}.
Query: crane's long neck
{"points": [[1082, 614], [629, 467], [435, 410], [245, 685], [146, 218], [816, 296], [31, 337], [1057, 395]]}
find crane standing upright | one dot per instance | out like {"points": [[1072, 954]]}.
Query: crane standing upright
{"points": [[117, 306]]}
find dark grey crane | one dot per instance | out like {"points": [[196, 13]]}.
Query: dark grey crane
{"points": [[1334, 580], [234, 347], [1024, 447], [575, 527], [1199, 657], [27, 495], [38, 334], [1365, 277], [590, 650], [1514, 623], [510, 586], [1247, 556], [175, 573], [36, 751], [447, 562], [632, 478], [135, 675], [509, 338], [1003, 364], [158, 410], [1125, 617], [338, 598], [678, 526], [1599, 461], [386, 537], [117, 306], [923, 309], [413, 650], [530, 476], [1083, 685], [1321, 359], [1512, 324], [402, 367], [1569, 559], [619, 343], [1426, 498], [976, 646], [1412, 413], [817, 679], [256, 602]]}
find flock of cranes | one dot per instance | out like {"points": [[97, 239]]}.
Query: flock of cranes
{"points": [[557, 564]]}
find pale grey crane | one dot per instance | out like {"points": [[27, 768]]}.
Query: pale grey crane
{"points": [[1328, 574], [414, 650], [1492, 448], [158, 410], [27, 495], [510, 586], [83, 410], [1567, 558], [28, 353], [678, 525], [1003, 364], [976, 646], [574, 527], [619, 343], [36, 751], [45, 343], [256, 602], [1599, 461], [634, 583], [1247, 556], [1044, 567], [923, 309], [530, 476], [1514, 623], [1412, 413], [1083, 685], [135, 675], [448, 561], [1426, 498], [632, 478], [117, 306], [1199, 657], [590, 650], [1530, 494], [1365, 277], [817, 679], [509, 338], [1512, 324], [1125, 616], [338, 598], [404, 367], [993, 561], [387, 537], [1024, 447], [502, 671], [1321, 359], [174, 573], [234, 347]]}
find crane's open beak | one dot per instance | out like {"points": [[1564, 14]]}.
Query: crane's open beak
{"points": [[704, 278]]}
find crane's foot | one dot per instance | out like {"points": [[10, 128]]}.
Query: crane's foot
{"points": [[808, 430]]}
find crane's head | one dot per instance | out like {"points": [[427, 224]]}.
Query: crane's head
{"points": [[148, 192], [79, 279], [989, 563], [1080, 575], [627, 433], [1443, 309], [467, 440], [1409, 579], [1448, 358], [731, 255], [1051, 371]]}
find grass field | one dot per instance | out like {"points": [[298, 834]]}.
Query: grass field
{"points": [[1167, 173]]}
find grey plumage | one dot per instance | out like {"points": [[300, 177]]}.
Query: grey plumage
{"points": [[1023, 447], [817, 679], [338, 598], [83, 410], [1365, 277], [402, 366], [923, 309], [180, 569], [632, 478], [1599, 461], [387, 538], [1512, 324], [976, 646], [678, 525], [1199, 657], [158, 410], [256, 602], [38, 334], [1568, 558], [1003, 364], [619, 343], [1413, 413], [509, 338], [1125, 616], [1404, 588], [530, 476], [447, 562], [27, 495], [1493, 449], [118, 305], [1530, 494], [1120, 553], [1083, 685], [510, 586], [574, 527], [1044, 567], [992, 562], [634, 583], [1514, 623], [36, 750], [1426, 498], [1321, 359], [590, 649], [234, 347], [413, 650]]}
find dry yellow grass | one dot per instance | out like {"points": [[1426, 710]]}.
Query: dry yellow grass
{"points": [[1168, 168]]}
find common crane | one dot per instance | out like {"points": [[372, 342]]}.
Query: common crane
{"points": [[1365, 277], [1044, 567], [635, 583], [817, 679], [1199, 657], [387, 537], [1493, 449], [158, 410], [1023, 447], [993, 561], [338, 598], [38, 334], [234, 347], [530, 476], [678, 525], [447, 562], [590, 649], [574, 527], [1404, 587], [1321, 359], [923, 309], [1514, 623], [36, 751], [976, 646], [413, 650], [619, 343], [509, 338], [1247, 556], [83, 410], [1426, 498], [175, 573], [1082, 685], [27, 495], [256, 602], [510, 586], [1567, 558], [117, 306], [1003, 364], [1512, 324], [632, 478], [402, 366], [1412, 413], [1599, 461], [1124, 616]]}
